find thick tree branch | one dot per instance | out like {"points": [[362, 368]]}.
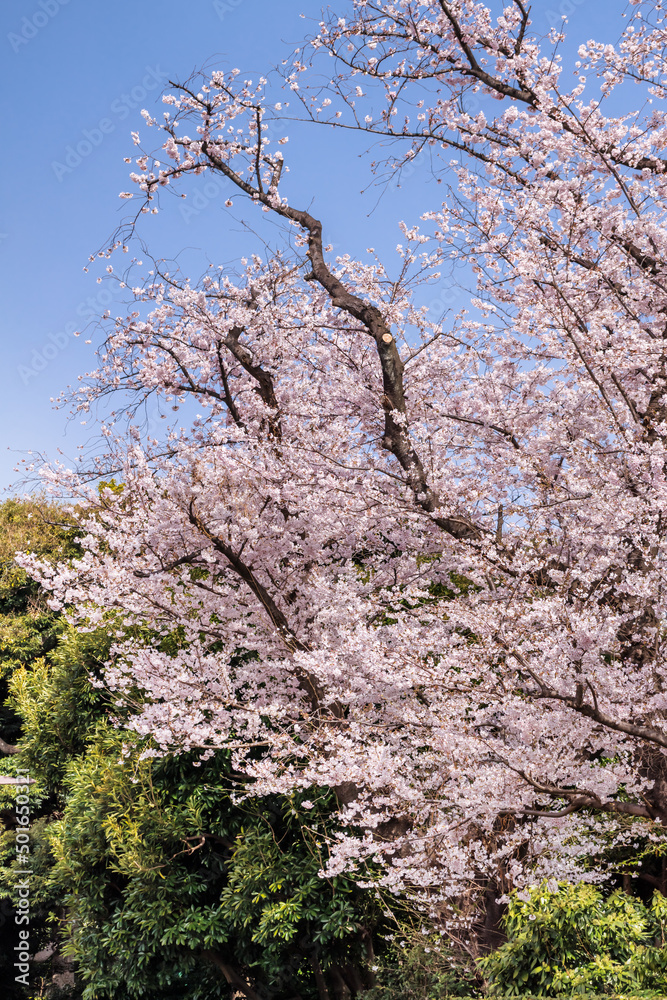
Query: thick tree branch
{"points": [[396, 436], [586, 802]]}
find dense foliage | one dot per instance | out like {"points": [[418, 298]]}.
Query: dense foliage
{"points": [[29, 632], [168, 883], [577, 940]]}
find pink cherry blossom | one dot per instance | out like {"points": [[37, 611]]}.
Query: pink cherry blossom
{"points": [[419, 563]]}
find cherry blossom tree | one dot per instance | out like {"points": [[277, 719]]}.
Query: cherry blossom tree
{"points": [[420, 562]]}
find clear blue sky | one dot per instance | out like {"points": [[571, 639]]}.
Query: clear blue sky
{"points": [[76, 74]]}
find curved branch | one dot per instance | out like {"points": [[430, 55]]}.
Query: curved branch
{"points": [[396, 437]]}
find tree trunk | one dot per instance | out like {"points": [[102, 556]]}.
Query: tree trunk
{"points": [[489, 931], [322, 988], [233, 977]]}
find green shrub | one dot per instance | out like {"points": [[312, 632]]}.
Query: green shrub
{"points": [[578, 941]]}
